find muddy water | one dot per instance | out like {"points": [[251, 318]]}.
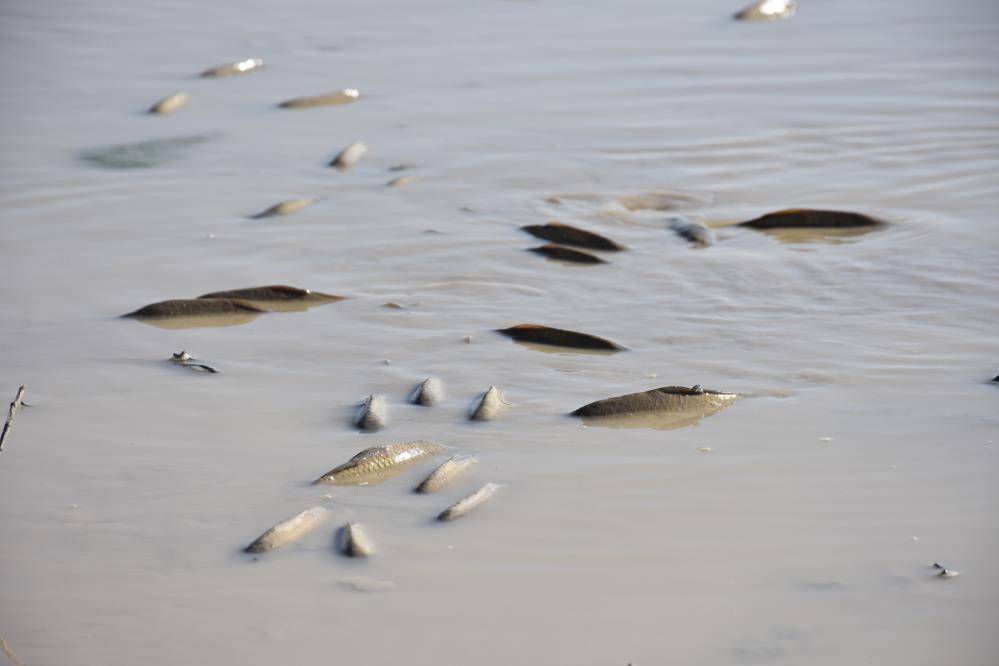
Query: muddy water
{"points": [[865, 449]]}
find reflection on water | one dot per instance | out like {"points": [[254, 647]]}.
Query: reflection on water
{"points": [[552, 349], [829, 236], [142, 154], [201, 321]]}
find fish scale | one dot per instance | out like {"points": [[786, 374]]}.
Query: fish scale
{"points": [[379, 463]]}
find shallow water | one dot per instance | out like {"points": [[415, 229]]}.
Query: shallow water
{"points": [[865, 451]]}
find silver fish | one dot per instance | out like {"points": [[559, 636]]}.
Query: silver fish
{"points": [[349, 156], [372, 414], [446, 473], [290, 530], [169, 104], [488, 405], [241, 67], [464, 506], [345, 96], [428, 392], [285, 208], [354, 542]]}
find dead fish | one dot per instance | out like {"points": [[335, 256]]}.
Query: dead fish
{"points": [[241, 67], [184, 359], [488, 406], [768, 10], [345, 96], [466, 505], [379, 463], [284, 208], [944, 572], [400, 181], [354, 542], [804, 218], [194, 307], [697, 233], [275, 292], [428, 392], [349, 156], [557, 337], [290, 530], [372, 414], [663, 399], [446, 473], [553, 251], [569, 235], [169, 104]]}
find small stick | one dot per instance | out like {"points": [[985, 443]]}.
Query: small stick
{"points": [[6, 648], [14, 406]]}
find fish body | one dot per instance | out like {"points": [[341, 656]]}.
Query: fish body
{"points": [[488, 406], [194, 307], [232, 69], [285, 208], [169, 104], [659, 400], [698, 233], [446, 473], [349, 156], [290, 530], [274, 292], [345, 96], [560, 253], [379, 463], [429, 392], [569, 235], [464, 506], [372, 414], [768, 10], [354, 542], [805, 218], [557, 337]]}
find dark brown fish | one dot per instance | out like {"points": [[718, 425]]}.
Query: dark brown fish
{"points": [[660, 400], [553, 251], [568, 235], [275, 292], [195, 307], [557, 337], [804, 218]]}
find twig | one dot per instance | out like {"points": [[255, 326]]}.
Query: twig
{"points": [[14, 406], [6, 648]]}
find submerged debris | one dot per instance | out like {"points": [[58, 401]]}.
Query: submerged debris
{"points": [[569, 235], [945, 572], [15, 406], [379, 463], [465, 506], [345, 96], [558, 337], [184, 359], [290, 530]]}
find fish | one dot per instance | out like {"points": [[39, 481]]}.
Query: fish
{"points": [[354, 542], [142, 154], [805, 218], [557, 337], [372, 414], [464, 506], [569, 235], [194, 307], [290, 530], [663, 399], [284, 208], [427, 393], [767, 10], [170, 104], [698, 233], [488, 405], [231, 69], [345, 96], [274, 292], [553, 251], [446, 473], [349, 156], [400, 181], [379, 463]]}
